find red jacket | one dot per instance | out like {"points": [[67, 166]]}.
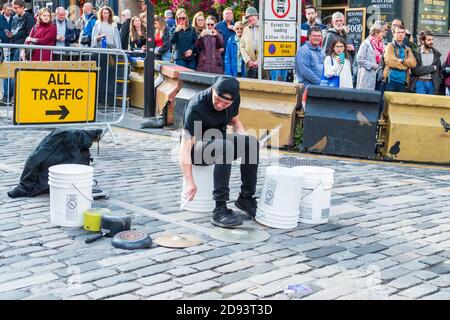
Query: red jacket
{"points": [[45, 33], [447, 65]]}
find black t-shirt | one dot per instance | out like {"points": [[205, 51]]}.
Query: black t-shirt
{"points": [[201, 109]]}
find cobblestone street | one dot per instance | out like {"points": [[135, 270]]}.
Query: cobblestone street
{"points": [[388, 235]]}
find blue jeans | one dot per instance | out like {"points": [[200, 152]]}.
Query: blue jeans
{"points": [[395, 86], [276, 74], [190, 64], [8, 93], [424, 87], [166, 56]]}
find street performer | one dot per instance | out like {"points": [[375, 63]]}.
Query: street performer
{"points": [[205, 142]]}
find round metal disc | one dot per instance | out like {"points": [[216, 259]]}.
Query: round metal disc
{"points": [[239, 235], [178, 240], [131, 240]]}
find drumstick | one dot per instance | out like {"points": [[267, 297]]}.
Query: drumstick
{"points": [[264, 139]]}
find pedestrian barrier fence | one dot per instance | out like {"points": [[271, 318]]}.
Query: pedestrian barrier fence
{"points": [[48, 86]]}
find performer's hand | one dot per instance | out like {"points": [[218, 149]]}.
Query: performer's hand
{"points": [[191, 190]]}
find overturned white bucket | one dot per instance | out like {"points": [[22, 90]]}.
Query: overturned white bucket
{"points": [[280, 198], [203, 200], [70, 193], [317, 184]]}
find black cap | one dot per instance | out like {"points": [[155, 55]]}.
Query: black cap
{"points": [[227, 85]]}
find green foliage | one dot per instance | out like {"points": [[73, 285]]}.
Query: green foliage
{"points": [[298, 134]]}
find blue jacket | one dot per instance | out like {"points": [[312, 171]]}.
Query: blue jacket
{"points": [[309, 64], [170, 23], [231, 53], [226, 33], [5, 25], [89, 21]]}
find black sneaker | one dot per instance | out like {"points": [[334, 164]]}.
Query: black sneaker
{"points": [[225, 218], [249, 206]]}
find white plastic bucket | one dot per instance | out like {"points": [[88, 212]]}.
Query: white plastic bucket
{"points": [[70, 193], [280, 198], [203, 200], [317, 184]]}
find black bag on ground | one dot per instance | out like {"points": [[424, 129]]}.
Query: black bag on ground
{"points": [[58, 147]]}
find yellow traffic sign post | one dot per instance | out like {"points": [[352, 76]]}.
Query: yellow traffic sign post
{"points": [[55, 97]]}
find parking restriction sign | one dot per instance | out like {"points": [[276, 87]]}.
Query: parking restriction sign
{"points": [[280, 34], [280, 10]]}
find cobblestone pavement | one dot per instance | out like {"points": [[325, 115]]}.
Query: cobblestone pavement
{"points": [[388, 237]]}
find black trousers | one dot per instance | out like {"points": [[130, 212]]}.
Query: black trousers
{"points": [[222, 152]]}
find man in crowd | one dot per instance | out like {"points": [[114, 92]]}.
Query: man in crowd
{"points": [[88, 20], [65, 33], [6, 23], [170, 21], [338, 32], [125, 30], [408, 39], [426, 76], [205, 142], [398, 60], [250, 43], [226, 28], [310, 58], [311, 17]]}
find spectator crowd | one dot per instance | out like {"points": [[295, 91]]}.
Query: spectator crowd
{"points": [[327, 55]]}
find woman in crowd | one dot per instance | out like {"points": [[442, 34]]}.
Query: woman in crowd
{"points": [[209, 45], [234, 64], [137, 34], [143, 16], [198, 22], [105, 28], [370, 56], [183, 36], [43, 34], [162, 40], [337, 63]]}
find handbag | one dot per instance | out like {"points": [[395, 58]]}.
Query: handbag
{"points": [[85, 39], [331, 81]]}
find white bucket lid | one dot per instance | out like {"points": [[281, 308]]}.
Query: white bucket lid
{"points": [[315, 170], [72, 169], [285, 172]]}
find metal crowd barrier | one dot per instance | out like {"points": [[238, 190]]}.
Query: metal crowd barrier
{"points": [[72, 87]]}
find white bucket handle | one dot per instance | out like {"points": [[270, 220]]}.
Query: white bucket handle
{"points": [[88, 199], [312, 190]]}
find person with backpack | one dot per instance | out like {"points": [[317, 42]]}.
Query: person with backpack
{"points": [[398, 60], [370, 58], [88, 20]]}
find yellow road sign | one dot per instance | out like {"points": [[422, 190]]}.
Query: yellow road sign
{"points": [[279, 49], [45, 97]]}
